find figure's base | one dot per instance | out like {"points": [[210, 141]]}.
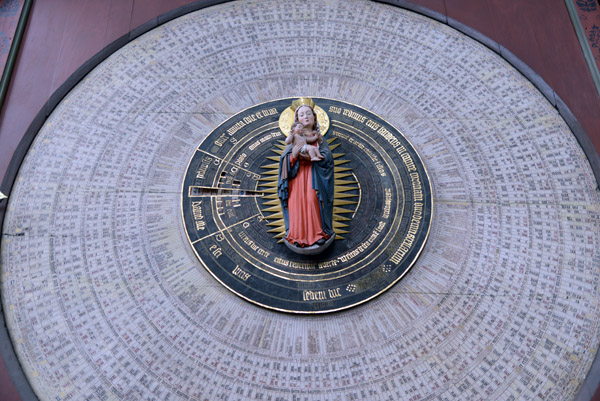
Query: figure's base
{"points": [[310, 250]]}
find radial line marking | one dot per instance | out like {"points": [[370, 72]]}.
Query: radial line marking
{"points": [[226, 228], [228, 162]]}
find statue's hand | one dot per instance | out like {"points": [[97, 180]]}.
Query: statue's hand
{"points": [[305, 156]]}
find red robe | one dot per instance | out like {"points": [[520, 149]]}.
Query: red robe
{"points": [[304, 214]]}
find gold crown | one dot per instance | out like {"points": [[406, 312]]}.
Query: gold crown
{"points": [[303, 101]]}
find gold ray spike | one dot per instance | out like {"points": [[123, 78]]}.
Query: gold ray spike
{"points": [[341, 196], [343, 182], [338, 237], [337, 217], [277, 230], [338, 162], [276, 223], [272, 196], [339, 202], [270, 191], [282, 143], [280, 235], [271, 166], [2, 196], [336, 155], [281, 147], [337, 210], [275, 216], [332, 147], [341, 231], [341, 188], [272, 202], [270, 178], [271, 172], [274, 158], [274, 209], [331, 140], [341, 175], [341, 169], [337, 224], [268, 184]]}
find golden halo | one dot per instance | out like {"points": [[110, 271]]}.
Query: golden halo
{"points": [[287, 116]]}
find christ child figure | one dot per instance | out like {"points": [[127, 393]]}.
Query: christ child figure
{"points": [[305, 141]]}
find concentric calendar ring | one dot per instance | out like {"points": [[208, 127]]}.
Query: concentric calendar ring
{"points": [[102, 292]]}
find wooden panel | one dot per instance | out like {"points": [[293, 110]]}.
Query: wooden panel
{"points": [[119, 21], [149, 9], [434, 5], [474, 14], [8, 392]]}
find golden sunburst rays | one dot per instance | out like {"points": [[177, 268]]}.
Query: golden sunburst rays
{"points": [[346, 193]]}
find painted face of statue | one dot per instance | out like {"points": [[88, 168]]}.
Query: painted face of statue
{"points": [[306, 116]]}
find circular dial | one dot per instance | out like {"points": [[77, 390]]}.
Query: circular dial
{"points": [[234, 220]]}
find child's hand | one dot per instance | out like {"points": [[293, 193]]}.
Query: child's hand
{"points": [[290, 138]]}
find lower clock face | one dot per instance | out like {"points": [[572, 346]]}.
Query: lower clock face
{"points": [[235, 222]]}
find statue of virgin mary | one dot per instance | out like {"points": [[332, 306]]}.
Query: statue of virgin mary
{"points": [[306, 190]]}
